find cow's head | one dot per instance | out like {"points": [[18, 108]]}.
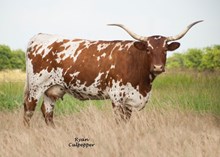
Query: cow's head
{"points": [[156, 47]]}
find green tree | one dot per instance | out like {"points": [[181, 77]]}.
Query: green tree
{"points": [[200, 59], [5, 56], [193, 58], [211, 58], [176, 61], [11, 59], [18, 59]]}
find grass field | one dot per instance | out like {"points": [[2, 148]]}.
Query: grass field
{"points": [[186, 90], [181, 119]]}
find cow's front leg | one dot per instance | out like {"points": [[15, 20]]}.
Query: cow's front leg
{"points": [[47, 110], [122, 112]]}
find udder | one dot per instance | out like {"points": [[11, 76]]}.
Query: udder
{"points": [[55, 92]]}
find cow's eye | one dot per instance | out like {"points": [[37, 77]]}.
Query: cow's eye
{"points": [[148, 50]]}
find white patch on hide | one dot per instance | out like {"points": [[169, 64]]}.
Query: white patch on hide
{"points": [[102, 46], [127, 95], [48, 104]]}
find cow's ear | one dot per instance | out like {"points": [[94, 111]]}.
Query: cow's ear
{"points": [[140, 45], [173, 46]]}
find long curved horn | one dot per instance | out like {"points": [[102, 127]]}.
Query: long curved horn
{"points": [[179, 36], [132, 34]]}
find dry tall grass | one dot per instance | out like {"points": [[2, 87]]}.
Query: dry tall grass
{"points": [[12, 76], [153, 132]]}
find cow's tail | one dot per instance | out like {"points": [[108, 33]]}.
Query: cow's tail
{"points": [[26, 87]]}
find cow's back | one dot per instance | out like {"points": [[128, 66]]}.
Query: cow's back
{"points": [[87, 69], [72, 64]]}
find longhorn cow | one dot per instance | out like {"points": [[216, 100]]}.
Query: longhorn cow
{"points": [[122, 71]]}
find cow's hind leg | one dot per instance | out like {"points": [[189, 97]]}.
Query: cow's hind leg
{"points": [[122, 112], [50, 96], [30, 103], [47, 110]]}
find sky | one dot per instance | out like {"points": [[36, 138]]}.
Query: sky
{"points": [[88, 19]]}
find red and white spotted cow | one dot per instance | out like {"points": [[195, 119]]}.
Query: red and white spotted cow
{"points": [[122, 71]]}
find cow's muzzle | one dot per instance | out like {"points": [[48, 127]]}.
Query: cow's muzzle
{"points": [[157, 69]]}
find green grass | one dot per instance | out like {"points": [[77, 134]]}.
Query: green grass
{"points": [[186, 90], [11, 98], [11, 95]]}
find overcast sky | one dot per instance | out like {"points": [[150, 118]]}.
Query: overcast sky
{"points": [[21, 19]]}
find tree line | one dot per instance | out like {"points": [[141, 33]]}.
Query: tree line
{"points": [[11, 59], [207, 58], [199, 59]]}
